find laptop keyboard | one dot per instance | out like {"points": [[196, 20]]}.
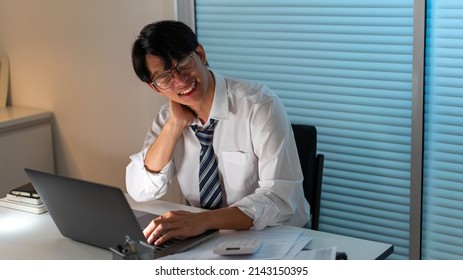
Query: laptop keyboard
{"points": [[165, 245]]}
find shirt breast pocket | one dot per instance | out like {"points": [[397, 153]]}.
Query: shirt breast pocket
{"points": [[240, 172]]}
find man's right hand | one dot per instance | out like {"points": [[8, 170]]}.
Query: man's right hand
{"points": [[181, 115]]}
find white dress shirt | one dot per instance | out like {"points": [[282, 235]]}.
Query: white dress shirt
{"points": [[257, 157]]}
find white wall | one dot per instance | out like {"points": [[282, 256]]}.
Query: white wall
{"points": [[73, 59]]}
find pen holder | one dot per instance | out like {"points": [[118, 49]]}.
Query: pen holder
{"points": [[135, 251]]}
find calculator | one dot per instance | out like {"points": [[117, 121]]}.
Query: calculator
{"points": [[238, 247]]}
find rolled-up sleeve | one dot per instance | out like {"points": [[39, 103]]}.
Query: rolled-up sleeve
{"points": [[268, 208], [143, 185]]}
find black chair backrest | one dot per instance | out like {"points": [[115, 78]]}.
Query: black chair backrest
{"points": [[312, 167]]}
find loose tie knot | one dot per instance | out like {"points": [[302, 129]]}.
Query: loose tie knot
{"points": [[210, 192], [205, 136]]}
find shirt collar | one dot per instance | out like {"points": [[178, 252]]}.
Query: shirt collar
{"points": [[219, 109]]}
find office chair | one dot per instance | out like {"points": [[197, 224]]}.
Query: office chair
{"points": [[312, 168]]}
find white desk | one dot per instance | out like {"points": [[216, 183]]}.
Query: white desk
{"points": [[30, 236]]}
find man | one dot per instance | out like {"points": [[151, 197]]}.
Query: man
{"points": [[252, 177]]}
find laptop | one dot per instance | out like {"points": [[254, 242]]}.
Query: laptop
{"points": [[99, 215]]}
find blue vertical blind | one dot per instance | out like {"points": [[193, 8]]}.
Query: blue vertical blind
{"points": [[442, 227], [346, 67]]}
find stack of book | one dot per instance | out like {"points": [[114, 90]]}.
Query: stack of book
{"points": [[24, 198]]}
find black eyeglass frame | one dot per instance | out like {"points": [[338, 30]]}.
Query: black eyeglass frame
{"points": [[191, 63]]}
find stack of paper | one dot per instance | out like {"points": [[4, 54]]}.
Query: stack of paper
{"points": [[24, 198]]}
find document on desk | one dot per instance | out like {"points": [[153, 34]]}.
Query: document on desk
{"points": [[317, 254], [278, 242], [300, 244]]}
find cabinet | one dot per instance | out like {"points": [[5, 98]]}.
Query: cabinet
{"points": [[25, 141]]}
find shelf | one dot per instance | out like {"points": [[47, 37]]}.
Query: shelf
{"points": [[12, 118]]}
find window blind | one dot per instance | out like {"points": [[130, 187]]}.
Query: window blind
{"points": [[346, 67], [442, 225]]}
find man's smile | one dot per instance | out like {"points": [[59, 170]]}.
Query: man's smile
{"points": [[188, 90]]}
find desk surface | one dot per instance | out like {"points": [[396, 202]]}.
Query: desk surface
{"points": [[29, 236]]}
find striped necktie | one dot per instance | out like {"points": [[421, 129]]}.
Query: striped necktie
{"points": [[210, 192]]}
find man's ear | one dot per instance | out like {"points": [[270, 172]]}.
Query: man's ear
{"points": [[202, 54]]}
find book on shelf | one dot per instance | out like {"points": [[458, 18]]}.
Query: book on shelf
{"points": [[26, 190], [23, 199], [27, 207]]}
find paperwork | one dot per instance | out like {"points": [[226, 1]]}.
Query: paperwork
{"points": [[280, 242]]}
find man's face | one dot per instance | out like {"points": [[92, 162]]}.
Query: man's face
{"points": [[186, 83]]}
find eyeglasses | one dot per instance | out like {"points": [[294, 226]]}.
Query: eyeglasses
{"points": [[184, 67]]}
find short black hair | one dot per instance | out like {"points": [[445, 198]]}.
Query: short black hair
{"points": [[170, 40]]}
